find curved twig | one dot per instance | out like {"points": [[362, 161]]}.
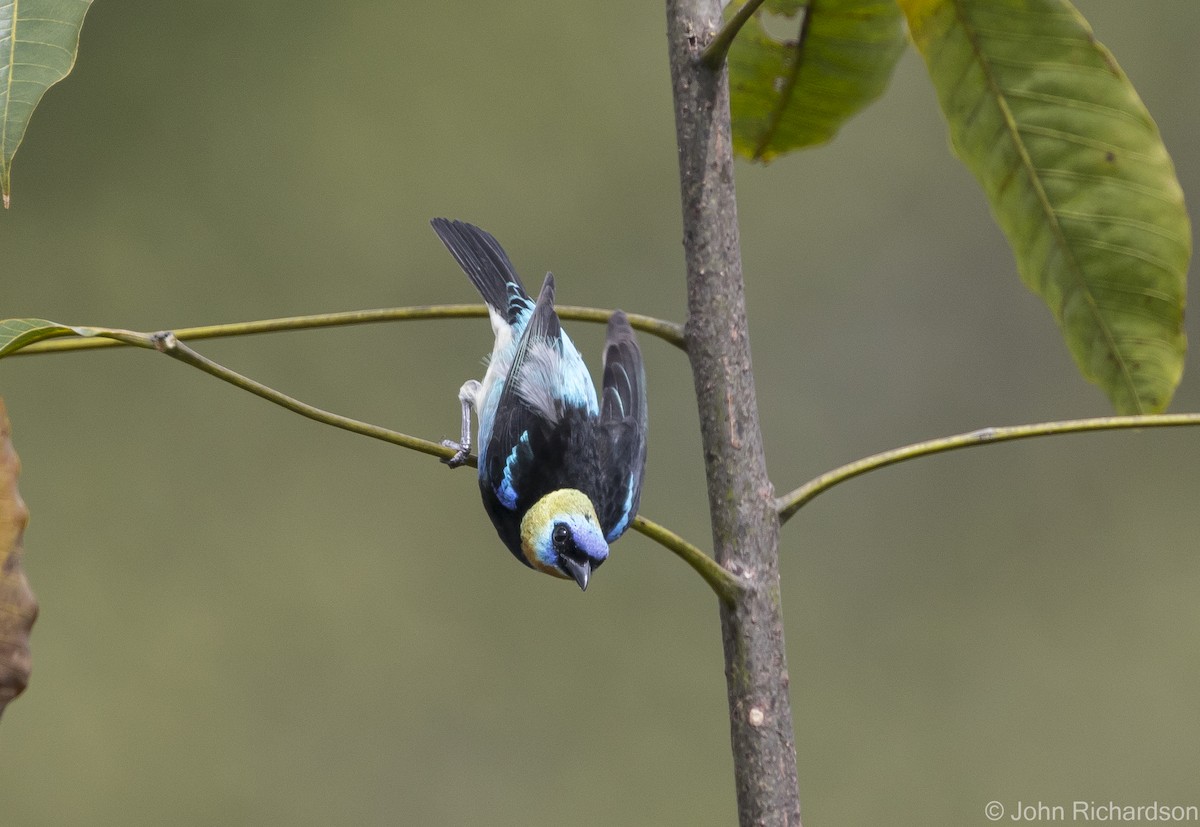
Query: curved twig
{"points": [[670, 332], [714, 54], [168, 343], [724, 584], [793, 501]]}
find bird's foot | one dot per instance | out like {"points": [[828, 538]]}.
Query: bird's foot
{"points": [[462, 450]]}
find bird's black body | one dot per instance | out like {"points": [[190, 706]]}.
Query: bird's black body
{"points": [[573, 437], [560, 471]]}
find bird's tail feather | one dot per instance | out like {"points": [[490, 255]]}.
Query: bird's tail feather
{"points": [[486, 264], [624, 384]]}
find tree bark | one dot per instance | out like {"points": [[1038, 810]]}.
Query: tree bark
{"points": [[745, 523]]}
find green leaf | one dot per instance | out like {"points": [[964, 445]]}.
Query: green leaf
{"points": [[18, 333], [796, 91], [38, 42], [1077, 178]]}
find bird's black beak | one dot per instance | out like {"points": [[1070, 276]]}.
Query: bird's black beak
{"points": [[582, 572]]}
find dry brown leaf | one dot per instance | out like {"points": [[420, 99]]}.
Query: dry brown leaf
{"points": [[18, 607]]}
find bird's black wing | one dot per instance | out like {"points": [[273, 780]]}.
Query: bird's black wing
{"points": [[484, 261], [520, 459], [623, 426]]}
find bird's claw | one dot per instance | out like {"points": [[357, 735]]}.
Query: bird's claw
{"points": [[461, 453]]}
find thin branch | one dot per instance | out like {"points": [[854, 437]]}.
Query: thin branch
{"points": [[670, 332], [726, 585], [168, 343], [793, 501], [714, 54]]}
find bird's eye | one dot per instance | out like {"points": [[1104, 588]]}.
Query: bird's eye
{"points": [[561, 535]]}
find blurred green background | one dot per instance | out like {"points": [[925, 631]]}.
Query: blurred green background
{"points": [[251, 619]]}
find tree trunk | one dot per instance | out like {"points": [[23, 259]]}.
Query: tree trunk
{"points": [[745, 524]]}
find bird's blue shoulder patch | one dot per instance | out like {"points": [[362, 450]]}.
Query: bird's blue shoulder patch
{"points": [[506, 492], [520, 307]]}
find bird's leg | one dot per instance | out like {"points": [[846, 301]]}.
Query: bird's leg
{"points": [[467, 395]]}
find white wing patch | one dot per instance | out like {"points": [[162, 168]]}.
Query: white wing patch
{"points": [[550, 378]]}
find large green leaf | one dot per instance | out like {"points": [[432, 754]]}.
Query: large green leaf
{"points": [[38, 41], [1077, 177], [793, 92]]}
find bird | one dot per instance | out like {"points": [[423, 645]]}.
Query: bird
{"points": [[560, 468]]}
